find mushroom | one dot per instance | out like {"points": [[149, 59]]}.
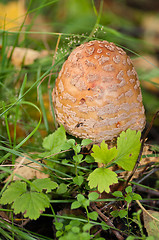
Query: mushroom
{"points": [[97, 93]]}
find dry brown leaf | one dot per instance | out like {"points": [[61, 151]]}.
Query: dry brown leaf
{"points": [[25, 56], [151, 225], [26, 168]]}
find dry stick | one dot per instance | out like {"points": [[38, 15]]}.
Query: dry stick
{"points": [[140, 205], [141, 148], [109, 223]]}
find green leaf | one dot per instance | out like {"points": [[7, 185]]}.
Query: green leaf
{"points": [[86, 142], [122, 213], [55, 140], [62, 188], [78, 180], [128, 147], [78, 158], [31, 204], [77, 148], [75, 204], [128, 189], [87, 227], [89, 159], [102, 178], [128, 199], [131, 238], [69, 144], [93, 196], [59, 233], [75, 223], [80, 197], [102, 154], [13, 191], [105, 226], [115, 213], [136, 197], [75, 229], [93, 215], [58, 225], [117, 194], [44, 183]]}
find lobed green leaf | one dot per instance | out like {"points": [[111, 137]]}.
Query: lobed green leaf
{"points": [[102, 154], [45, 183], [55, 140], [102, 178], [31, 204], [128, 147], [13, 191]]}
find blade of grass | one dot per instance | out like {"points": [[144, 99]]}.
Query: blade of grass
{"points": [[27, 137], [7, 126], [40, 97]]}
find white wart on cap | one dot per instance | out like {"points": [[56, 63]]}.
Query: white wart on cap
{"points": [[97, 93]]}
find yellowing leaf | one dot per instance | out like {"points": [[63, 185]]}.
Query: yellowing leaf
{"points": [[102, 154], [12, 15], [102, 178]]}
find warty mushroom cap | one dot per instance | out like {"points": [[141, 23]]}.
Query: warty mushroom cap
{"points": [[97, 93]]}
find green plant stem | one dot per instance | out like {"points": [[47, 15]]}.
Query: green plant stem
{"points": [[7, 126], [87, 214]]}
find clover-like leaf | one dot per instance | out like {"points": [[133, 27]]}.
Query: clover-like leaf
{"points": [[102, 178], [102, 154], [128, 146], [31, 204], [75, 204], [93, 215]]}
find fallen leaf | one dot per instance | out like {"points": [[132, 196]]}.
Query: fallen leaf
{"points": [[151, 225], [25, 56], [12, 15], [25, 167]]}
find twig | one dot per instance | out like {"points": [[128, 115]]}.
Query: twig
{"points": [[140, 205], [109, 223]]}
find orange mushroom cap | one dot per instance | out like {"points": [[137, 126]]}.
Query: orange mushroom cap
{"points": [[97, 94]]}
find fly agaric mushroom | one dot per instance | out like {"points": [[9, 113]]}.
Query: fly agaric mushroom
{"points": [[97, 93]]}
